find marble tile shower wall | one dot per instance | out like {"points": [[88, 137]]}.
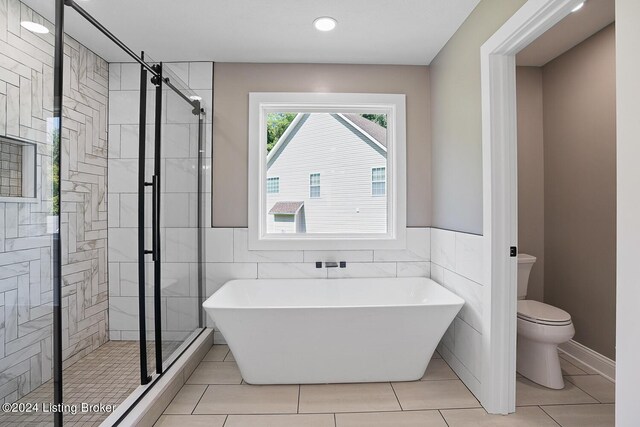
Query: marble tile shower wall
{"points": [[179, 200], [26, 102], [228, 257], [457, 264]]}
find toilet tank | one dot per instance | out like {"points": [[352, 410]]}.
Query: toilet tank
{"points": [[525, 262]]}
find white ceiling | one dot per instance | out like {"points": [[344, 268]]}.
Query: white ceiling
{"points": [[572, 30], [368, 31]]}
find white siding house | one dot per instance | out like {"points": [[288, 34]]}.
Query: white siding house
{"points": [[327, 174]]}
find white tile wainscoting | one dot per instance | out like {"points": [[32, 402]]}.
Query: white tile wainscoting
{"points": [[457, 264]]}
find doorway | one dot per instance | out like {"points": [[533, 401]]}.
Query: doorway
{"points": [[498, 67]]}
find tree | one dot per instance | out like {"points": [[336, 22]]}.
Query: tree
{"points": [[277, 124], [55, 175], [380, 119]]}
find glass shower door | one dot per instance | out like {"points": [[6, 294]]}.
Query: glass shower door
{"points": [[28, 234], [179, 159]]}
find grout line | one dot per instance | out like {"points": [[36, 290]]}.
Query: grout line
{"points": [[226, 418], [554, 420], [396, 395], [233, 231], [469, 390], [200, 399], [442, 416], [298, 407], [581, 389], [340, 413], [575, 366], [563, 404]]}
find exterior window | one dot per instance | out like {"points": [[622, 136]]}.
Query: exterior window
{"points": [[314, 185], [378, 181], [273, 185], [342, 160]]}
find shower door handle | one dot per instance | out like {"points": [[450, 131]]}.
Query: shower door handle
{"points": [[155, 210]]}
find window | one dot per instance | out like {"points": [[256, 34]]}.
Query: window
{"points": [[314, 185], [378, 182], [273, 185], [335, 152]]}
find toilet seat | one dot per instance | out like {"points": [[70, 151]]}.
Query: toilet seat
{"points": [[543, 314]]}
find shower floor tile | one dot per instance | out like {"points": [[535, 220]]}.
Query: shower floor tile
{"points": [[107, 375], [439, 399]]}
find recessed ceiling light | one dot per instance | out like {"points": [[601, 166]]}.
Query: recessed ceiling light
{"points": [[33, 27], [195, 98], [325, 23], [578, 7]]}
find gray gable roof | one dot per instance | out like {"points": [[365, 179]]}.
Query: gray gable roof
{"points": [[377, 135], [286, 208], [372, 128]]}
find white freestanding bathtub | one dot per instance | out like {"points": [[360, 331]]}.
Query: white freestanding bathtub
{"points": [[302, 331]]}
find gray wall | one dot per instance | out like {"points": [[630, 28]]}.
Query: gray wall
{"points": [[566, 185], [26, 104], [531, 174], [233, 82], [456, 166], [580, 188]]}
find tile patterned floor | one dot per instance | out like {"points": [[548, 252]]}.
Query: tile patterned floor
{"points": [[216, 396], [107, 375]]}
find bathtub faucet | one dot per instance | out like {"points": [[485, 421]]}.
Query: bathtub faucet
{"points": [[331, 264]]}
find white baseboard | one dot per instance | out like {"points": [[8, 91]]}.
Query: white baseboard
{"points": [[599, 363]]}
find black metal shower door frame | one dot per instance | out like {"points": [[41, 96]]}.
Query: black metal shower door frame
{"points": [[159, 81]]}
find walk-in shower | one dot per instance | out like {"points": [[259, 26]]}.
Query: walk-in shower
{"points": [[100, 220]]}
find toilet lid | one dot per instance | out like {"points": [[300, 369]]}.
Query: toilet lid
{"points": [[542, 313]]}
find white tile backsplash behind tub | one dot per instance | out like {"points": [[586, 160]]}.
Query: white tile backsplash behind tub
{"points": [[228, 257]]}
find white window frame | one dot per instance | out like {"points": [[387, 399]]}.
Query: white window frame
{"points": [[319, 185], [393, 105], [384, 181], [277, 179]]}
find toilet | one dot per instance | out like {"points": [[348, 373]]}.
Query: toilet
{"points": [[541, 328]]}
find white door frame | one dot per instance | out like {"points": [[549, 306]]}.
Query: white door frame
{"points": [[500, 181]]}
